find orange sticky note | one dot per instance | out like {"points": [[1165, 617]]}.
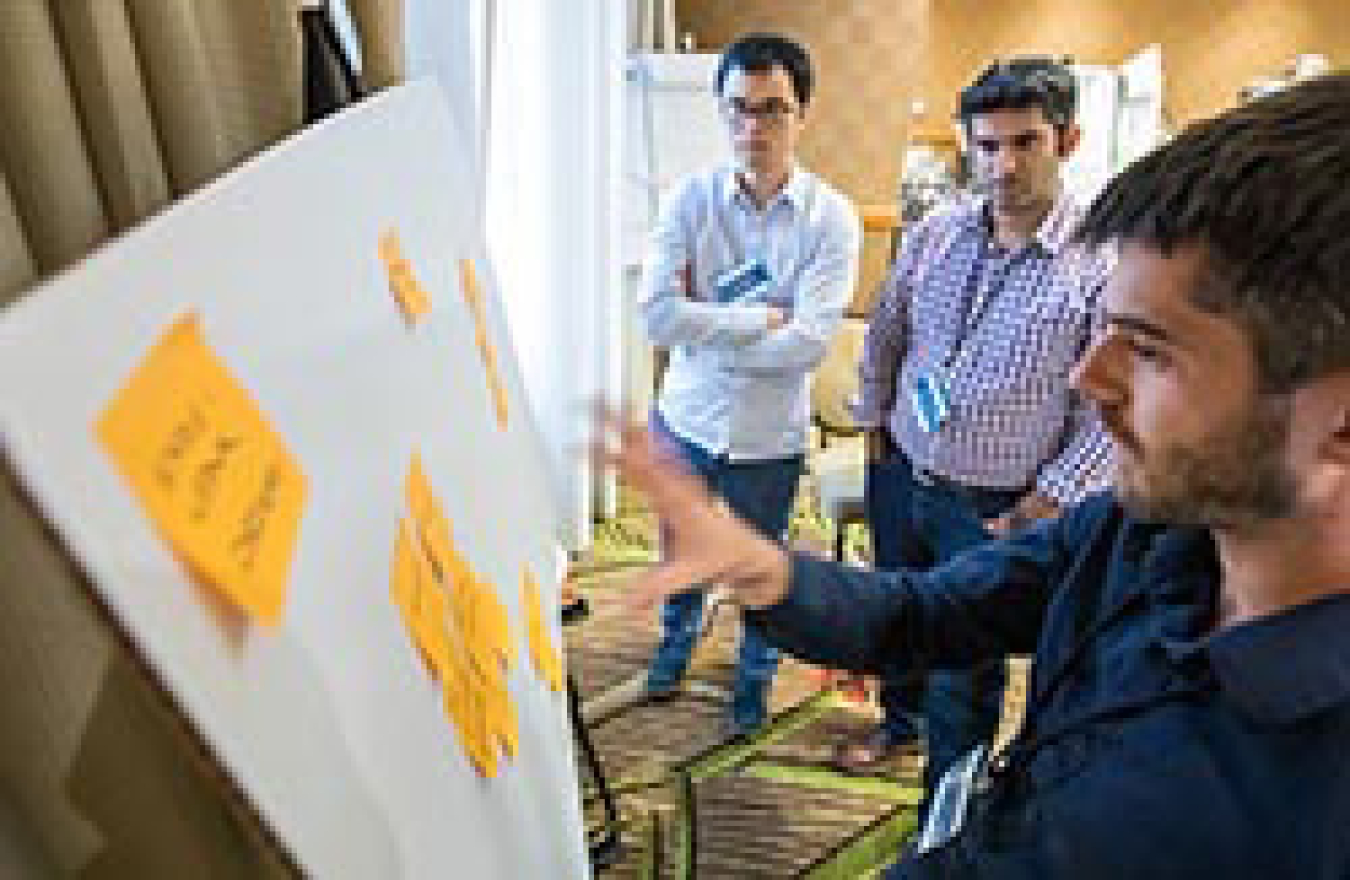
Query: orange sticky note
{"points": [[417, 491], [546, 660], [498, 391], [502, 728], [489, 353], [433, 526], [213, 475], [456, 702], [555, 670], [478, 703], [498, 627], [476, 631], [430, 629], [459, 625], [496, 387], [473, 294], [529, 603], [416, 302], [479, 746], [411, 296], [464, 602], [404, 581], [430, 606], [458, 589], [473, 297], [389, 248], [421, 602], [457, 571], [439, 546], [509, 727]]}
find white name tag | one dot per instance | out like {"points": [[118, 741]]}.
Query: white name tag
{"points": [[951, 802], [748, 281], [929, 399]]}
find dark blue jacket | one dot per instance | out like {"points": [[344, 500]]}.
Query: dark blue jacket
{"points": [[1153, 746]]}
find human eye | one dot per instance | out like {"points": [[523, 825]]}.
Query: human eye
{"points": [[1146, 349]]}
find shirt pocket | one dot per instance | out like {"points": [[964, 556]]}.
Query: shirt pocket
{"points": [[713, 254]]}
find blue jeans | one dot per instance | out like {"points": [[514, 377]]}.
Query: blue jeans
{"points": [[761, 493], [915, 525]]}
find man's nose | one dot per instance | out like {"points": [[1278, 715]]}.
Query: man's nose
{"points": [[755, 123], [1092, 375]]}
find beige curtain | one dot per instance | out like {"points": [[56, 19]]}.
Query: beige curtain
{"points": [[113, 108], [110, 110]]}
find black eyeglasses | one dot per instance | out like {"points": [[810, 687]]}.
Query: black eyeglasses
{"points": [[774, 112]]}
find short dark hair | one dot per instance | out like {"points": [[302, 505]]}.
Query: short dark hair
{"points": [[1264, 190], [758, 53], [1020, 84]]}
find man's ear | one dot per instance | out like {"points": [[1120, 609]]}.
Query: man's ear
{"points": [[1326, 481], [1068, 137], [1327, 409], [1337, 444], [1319, 440]]}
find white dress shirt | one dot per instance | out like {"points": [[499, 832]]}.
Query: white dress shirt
{"points": [[733, 386]]}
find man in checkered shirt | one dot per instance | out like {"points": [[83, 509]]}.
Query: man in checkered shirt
{"points": [[972, 427]]}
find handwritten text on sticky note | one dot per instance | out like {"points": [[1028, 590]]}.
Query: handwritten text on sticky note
{"points": [[213, 475]]}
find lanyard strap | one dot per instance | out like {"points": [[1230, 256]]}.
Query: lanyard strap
{"points": [[973, 306]]}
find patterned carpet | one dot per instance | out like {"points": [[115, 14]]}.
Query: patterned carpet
{"points": [[692, 803]]}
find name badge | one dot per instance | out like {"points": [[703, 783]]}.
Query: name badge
{"points": [[929, 399], [951, 801], [750, 280]]}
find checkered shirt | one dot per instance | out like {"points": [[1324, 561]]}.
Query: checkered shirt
{"points": [[1005, 327]]}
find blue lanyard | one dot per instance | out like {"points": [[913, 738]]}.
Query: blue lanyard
{"points": [[973, 307]]}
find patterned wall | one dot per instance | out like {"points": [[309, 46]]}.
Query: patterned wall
{"points": [[875, 56]]}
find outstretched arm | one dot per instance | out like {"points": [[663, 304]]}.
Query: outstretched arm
{"points": [[987, 603]]}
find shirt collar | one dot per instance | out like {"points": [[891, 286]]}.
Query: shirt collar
{"points": [[1287, 666], [1277, 669], [1054, 231], [793, 192]]}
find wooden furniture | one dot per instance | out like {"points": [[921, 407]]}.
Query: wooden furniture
{"points": [[879, 217]]}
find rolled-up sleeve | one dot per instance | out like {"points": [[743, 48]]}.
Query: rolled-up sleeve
{"points": [[669, 315], [823, 291]]}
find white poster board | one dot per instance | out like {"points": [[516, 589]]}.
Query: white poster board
{"points": [[327, 723]]}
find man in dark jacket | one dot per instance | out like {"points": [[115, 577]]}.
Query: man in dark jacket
{"points": [[1189, 708]]}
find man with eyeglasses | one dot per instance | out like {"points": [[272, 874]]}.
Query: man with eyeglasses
{"points": [[1189, 704], [973, 428], [750, 269]]}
